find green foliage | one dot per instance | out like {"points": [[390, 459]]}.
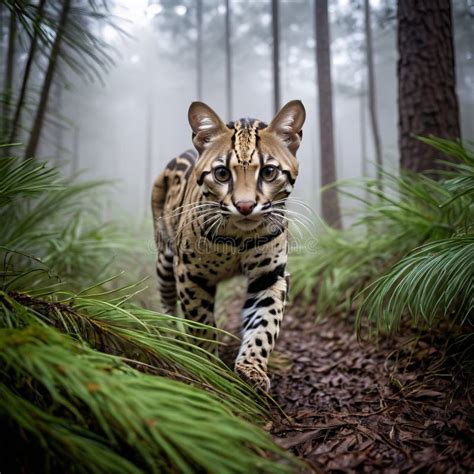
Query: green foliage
{"points": [[113, 409], [435, 280], [156, 343], [84, 51], [90, 381], [331, 273], [400, 247], [460, 177], [19, 179], [53, 225]]}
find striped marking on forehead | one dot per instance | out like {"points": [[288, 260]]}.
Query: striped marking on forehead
{"points": [[245, 138]]}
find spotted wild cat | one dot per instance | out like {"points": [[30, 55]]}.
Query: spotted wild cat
{"points": [[220, 212]]}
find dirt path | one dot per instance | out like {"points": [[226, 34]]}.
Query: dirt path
{"points": [[394, 406], [365, 407]]}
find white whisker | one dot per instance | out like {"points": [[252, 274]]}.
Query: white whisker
{"points": [[197, 206], [217, 220], [291, 221]]}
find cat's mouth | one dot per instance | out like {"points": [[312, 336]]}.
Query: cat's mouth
{"points": [[248, 223]]}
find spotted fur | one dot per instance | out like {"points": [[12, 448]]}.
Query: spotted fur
{"points": [[219, 212]]}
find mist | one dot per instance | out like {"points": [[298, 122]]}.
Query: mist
{"points": [[129, 125]]}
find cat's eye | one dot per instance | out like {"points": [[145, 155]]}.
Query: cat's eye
{"points": [[269, 173], [222, 174]]}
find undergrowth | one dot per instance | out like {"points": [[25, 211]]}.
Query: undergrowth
{"points": [[89, 380], [408, 253]]}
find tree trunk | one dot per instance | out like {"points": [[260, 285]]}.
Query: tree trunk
{"points": [[75, 150], [427, 101], [2, 47], [329, 198], [199, 50], [9, 70], [26, 74], [276, 55], [58, 126], [371, 89], [228, 61], [363, 142], [149, 131], [48, 80]]}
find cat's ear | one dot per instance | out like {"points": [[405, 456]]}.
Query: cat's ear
{"points": [[288, 123], [205, 123]]}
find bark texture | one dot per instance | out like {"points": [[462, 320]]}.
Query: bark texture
{"points": [[427, 99], [329, 199]]}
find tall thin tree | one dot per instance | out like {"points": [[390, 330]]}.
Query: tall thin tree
{"points": [[47, 82], [276, 54], [9, 71], [149, 134], [26, 74], [2, 16], [371, 88], [329, 199], [75, 149], [362, 126], [228, 59], [199, 49], [427, 101], [58, 125]]}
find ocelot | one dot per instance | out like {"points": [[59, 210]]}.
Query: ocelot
{"points": [[220, 212]]}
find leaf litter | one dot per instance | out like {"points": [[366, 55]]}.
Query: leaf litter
{"points": [[399, 404]]}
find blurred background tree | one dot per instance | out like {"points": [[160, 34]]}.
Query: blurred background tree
{"points": [[329, 200]]}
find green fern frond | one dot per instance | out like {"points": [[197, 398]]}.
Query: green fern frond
{"points": [[161, 424], [434, 281], [154, 342], [413, 211]]}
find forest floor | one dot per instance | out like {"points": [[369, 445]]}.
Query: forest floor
{"points": [[401, 404]]}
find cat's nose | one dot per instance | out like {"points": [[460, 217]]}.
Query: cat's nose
{"points": [[245, 207]]}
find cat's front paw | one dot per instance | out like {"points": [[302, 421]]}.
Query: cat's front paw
{"points": [[253, 375]]}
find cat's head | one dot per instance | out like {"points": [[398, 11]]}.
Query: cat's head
{"points": [[247, 166]]}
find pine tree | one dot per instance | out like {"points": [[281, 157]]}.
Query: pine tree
{"points": [[427, 100]]}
